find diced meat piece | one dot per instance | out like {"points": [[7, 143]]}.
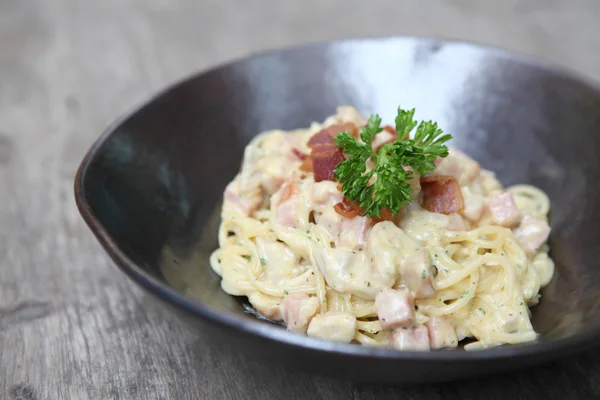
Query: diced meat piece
{"points": [[532, 233], [504, 210], [287, 213], [441, 194], [297, 310], [474, 205], [441, 333], [384, 137], [324, 195], [385, 215], [325, 136], [395, 308], [347, 208], [353, 233], [246, 203], [410, 339], [307, 165], [456, 222], [298, 154], [321, 138], [415, 270], [325, 162], [335, 130], [288, 203], [458, 165], [287, 190], [335, 326]]}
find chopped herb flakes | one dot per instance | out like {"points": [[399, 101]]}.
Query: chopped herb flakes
{"points": [[263, 261]]}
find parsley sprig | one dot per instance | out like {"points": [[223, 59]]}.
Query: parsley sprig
{"points": [[390, 189]]}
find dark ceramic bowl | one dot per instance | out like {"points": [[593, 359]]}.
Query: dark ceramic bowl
{"points": [[150, 188]]}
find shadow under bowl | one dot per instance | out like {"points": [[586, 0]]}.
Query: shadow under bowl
{"points": [[150, 188]]}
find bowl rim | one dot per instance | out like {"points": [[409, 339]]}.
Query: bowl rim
{"points": [[544, 349]]}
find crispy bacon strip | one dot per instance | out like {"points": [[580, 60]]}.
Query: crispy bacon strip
{"points": [[299, 154], [386, 215], [325, 160], [441, 194], [347, 208], [307, 165], [333, 130], [325, 136]]}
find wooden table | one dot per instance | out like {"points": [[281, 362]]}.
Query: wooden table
{"points": [[71, 325]]}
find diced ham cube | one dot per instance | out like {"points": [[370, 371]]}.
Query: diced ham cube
{"points": [[532, 233], [246, 203], [415, 272], [297, 310], [353, 233], [335, 326], [285, 191], [474, 205], [395, 308], [288, 204], [459, 165], [504, 210], [441, 194], [441, 333], [410, 339]]}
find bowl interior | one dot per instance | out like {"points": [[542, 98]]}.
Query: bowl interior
{"points": [[155, 182]]}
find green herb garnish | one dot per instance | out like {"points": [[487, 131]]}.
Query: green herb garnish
{"points": [[390, 189]]}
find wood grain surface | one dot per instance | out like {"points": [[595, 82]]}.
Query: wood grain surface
{"points": [[71, 325]]}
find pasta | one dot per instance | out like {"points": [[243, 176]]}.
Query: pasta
{"points": [[418, 281]]}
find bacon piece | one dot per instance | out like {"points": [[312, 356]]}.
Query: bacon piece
{"points": [[441, 194], [385, 215], [347, 208], [325, 161], [321, 138], [325, 136], [307, 165], [299, 154], [334, 130]]}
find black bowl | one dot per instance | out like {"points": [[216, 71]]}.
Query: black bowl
{"points": [[150, 188]]}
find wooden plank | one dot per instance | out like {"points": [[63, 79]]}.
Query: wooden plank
{"points": [[71, 325]]}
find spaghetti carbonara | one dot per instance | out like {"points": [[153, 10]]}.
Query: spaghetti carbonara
{"points": [[419, 280]]}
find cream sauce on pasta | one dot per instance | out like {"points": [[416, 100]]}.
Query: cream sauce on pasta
{"points": [[483, 277]]}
